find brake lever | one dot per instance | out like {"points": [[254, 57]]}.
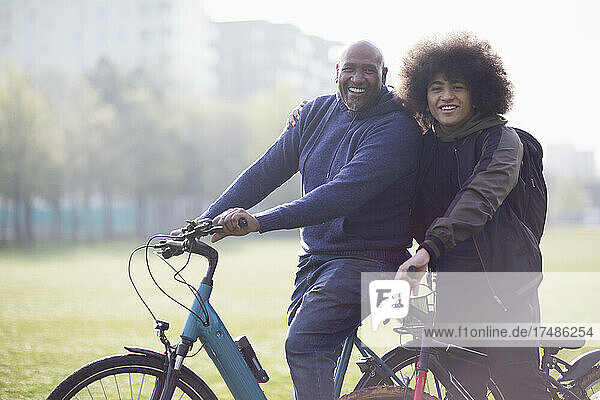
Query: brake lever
{"points": [[214, 229], [168, 250]]}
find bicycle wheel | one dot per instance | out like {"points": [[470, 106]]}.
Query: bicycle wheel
{"points": [[132, 376], [404, 362], [588, 386]]}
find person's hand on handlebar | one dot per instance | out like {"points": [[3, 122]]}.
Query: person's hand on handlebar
{"points": [[420, 261], [177, 232], [230, 221]]}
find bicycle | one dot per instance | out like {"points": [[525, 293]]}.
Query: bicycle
{"points": [[417, 364], [148, 374], [412, 369]]}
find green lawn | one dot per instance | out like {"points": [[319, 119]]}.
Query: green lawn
{"points": [[63, 307]]}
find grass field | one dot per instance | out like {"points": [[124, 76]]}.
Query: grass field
{"points": [[62, 307]]}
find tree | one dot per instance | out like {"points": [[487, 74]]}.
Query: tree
{"points": [[90, 161], [26, 148], [264, 116], [104, 139], [150, 149]]}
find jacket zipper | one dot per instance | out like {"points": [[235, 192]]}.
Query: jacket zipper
{"points": [[457, 168], [487, 278]]}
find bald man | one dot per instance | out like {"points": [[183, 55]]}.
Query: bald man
{"points": [[357, 151]]}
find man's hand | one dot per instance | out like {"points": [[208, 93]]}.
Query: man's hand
{"points": [[229, 220], [176, 232], [420, 261], [295, 115]]}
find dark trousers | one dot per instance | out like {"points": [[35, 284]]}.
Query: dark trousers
{"points": [[514, 369], [325, 309]]}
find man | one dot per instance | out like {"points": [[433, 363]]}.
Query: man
{"points": [[357, 152]]}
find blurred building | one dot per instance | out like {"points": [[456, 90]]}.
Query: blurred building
{"points": [[257, 55], [170, 39]]}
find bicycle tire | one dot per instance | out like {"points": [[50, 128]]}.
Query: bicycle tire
{"points": [[589, 384], [130, 375], [404, 361], [382, 393]]}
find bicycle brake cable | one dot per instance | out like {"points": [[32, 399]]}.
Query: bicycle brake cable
{"points": [[133, 283], [201, 302], [196, 352], [179, 278], [146, 247]]}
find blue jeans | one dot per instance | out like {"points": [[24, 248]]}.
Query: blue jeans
{"points": [[325, 309]]}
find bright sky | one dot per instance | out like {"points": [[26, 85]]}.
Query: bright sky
{"points": [[550, 48]]}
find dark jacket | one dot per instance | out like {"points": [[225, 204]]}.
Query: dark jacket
{"points": [[358, 174], [487, 165]]}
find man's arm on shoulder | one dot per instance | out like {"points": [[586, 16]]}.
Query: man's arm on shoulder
{"points": [[387, 154]]}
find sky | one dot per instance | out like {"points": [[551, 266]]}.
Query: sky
{"points": [[550, 48]]}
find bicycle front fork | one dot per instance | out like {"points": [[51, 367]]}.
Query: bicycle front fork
{"points": [[174, 362]]}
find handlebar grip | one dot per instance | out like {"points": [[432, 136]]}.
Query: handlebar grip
{"points": [[172, 248], [242, 223], [412, 272]]}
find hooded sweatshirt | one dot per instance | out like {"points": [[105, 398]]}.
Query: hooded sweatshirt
{"points": [[358, 178]]}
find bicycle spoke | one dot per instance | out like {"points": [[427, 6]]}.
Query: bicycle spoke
{"points": [[117, 386], [103, 391], [130, 386], [108, 380], [90, 393], [141, 386]]}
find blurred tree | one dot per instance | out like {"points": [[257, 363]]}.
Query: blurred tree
{"points": [[107, 80], [265, 115], [55, 85], [149, 149], [210, 145], [119, 136], [90, 159], [106, 143], [26, 150]]}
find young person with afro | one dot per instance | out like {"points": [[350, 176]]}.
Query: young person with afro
{"points": [[458, 90]]}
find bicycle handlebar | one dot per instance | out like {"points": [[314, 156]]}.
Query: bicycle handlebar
{"points": [[188, 242]]}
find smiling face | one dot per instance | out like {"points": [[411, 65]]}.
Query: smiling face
{"points": [[360, 75], [449, 103]]}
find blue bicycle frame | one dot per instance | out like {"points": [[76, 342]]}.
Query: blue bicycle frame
{"points": [[204, 323], [224, 353], [221, 348]]}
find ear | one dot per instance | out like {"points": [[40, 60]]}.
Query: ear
{"points": [[337, 73], [383, 75]]}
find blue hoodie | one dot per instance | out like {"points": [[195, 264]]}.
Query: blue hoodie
{"points": [[358, 175]]}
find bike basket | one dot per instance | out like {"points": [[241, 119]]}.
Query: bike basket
{"points": [[424, 302]]}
